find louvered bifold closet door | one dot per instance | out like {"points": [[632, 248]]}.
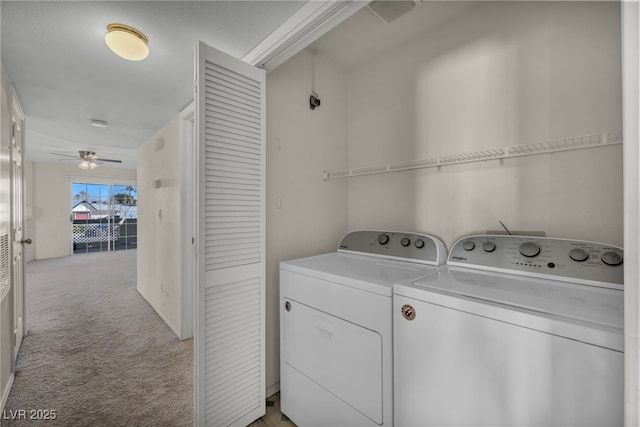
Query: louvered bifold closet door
{"points": [[230, 335]]}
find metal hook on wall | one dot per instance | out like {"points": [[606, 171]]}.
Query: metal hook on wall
{"points": [[314, 99]]}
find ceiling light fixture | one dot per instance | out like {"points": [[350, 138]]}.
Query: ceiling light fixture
{"points": [[98, 123], [127, 42], [88, 158], [87, 164]]}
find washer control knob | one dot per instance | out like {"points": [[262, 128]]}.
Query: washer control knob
{"points": [[419, 243], [468, 245], [488, 246], [578, 254], [405, 241], [529, 249], [383, 239], [612, 258]]}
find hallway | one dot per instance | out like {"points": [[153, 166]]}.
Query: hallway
{"points": [[96, 353]]}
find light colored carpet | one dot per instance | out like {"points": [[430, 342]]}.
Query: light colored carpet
{"points": [[97, 354]]}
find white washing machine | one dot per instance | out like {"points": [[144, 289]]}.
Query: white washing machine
{"points": [[335, 327], [516, 331]]}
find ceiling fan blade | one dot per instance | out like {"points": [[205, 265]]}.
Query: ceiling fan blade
{"points": [[65, 155], [99, 159]]}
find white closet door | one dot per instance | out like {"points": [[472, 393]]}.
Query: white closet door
{"points": [[230, 307]]}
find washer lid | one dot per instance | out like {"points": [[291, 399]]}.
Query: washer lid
{"points": [[363, 272], [584, 313]]}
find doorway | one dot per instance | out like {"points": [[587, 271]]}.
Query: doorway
{"points": [[104, 217]]}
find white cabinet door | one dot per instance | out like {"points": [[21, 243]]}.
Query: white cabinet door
{"points": [[230, 307]]}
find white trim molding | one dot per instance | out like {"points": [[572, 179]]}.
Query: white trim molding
{"points": [[187, 215], [631, 159], [309, 23], [273, 389], [174, 328], [6, 391]]}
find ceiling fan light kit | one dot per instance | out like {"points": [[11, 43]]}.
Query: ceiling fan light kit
{"points": [[86, 164], [127, 42], [88, 159]]}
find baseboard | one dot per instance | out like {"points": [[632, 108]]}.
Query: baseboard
{"points": [[6, 391], [171, 326], [273, 389]]}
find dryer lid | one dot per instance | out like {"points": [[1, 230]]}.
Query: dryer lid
{"points": [[362, 272]]}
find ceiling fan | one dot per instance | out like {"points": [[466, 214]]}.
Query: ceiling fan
{"points": [[88, 159]]}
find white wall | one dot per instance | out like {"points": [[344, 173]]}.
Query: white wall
{"points": [[305, 216], [500, 74], [29, 251], [159, 258], [50, 202]]}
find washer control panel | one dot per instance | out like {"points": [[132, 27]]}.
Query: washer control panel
{"points": [[561, 259], [413, 247]]}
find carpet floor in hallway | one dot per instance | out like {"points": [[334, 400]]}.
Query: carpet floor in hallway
{"points": [[96, 353]]}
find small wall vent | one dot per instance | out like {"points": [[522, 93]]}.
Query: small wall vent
{"points": [[389, 11]]}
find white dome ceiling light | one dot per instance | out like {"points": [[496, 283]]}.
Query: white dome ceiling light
{"points": [[127, 42], [98, 123]]}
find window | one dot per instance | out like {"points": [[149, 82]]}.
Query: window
{"points": [[105, 217]]}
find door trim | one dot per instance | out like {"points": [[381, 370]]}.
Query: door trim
{"points": [[188, 210], [19, 328], [631, 130]]}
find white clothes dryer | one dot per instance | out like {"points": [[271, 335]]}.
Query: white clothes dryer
{"points": [[516, 331], [336, 327]]}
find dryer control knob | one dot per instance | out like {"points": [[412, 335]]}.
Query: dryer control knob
{"points": [[419, 243], [578, 254], [405, 241], [488, 246], [383, 239], [468, 245], [529, 249], [612, 258]]}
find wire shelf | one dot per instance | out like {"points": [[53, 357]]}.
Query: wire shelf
{"points": [[574, 143]]}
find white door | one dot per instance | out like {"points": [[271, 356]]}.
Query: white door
{"points": [[230, 307], [17, 222]]}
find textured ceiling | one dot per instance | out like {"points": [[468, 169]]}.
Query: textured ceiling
{"points": [[64, 75], [55, 55]]}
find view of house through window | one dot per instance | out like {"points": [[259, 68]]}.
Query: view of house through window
{"points": [[104, 217]]}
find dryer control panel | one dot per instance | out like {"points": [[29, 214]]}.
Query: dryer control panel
{"points": [[592, 263], [412, 247]]}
